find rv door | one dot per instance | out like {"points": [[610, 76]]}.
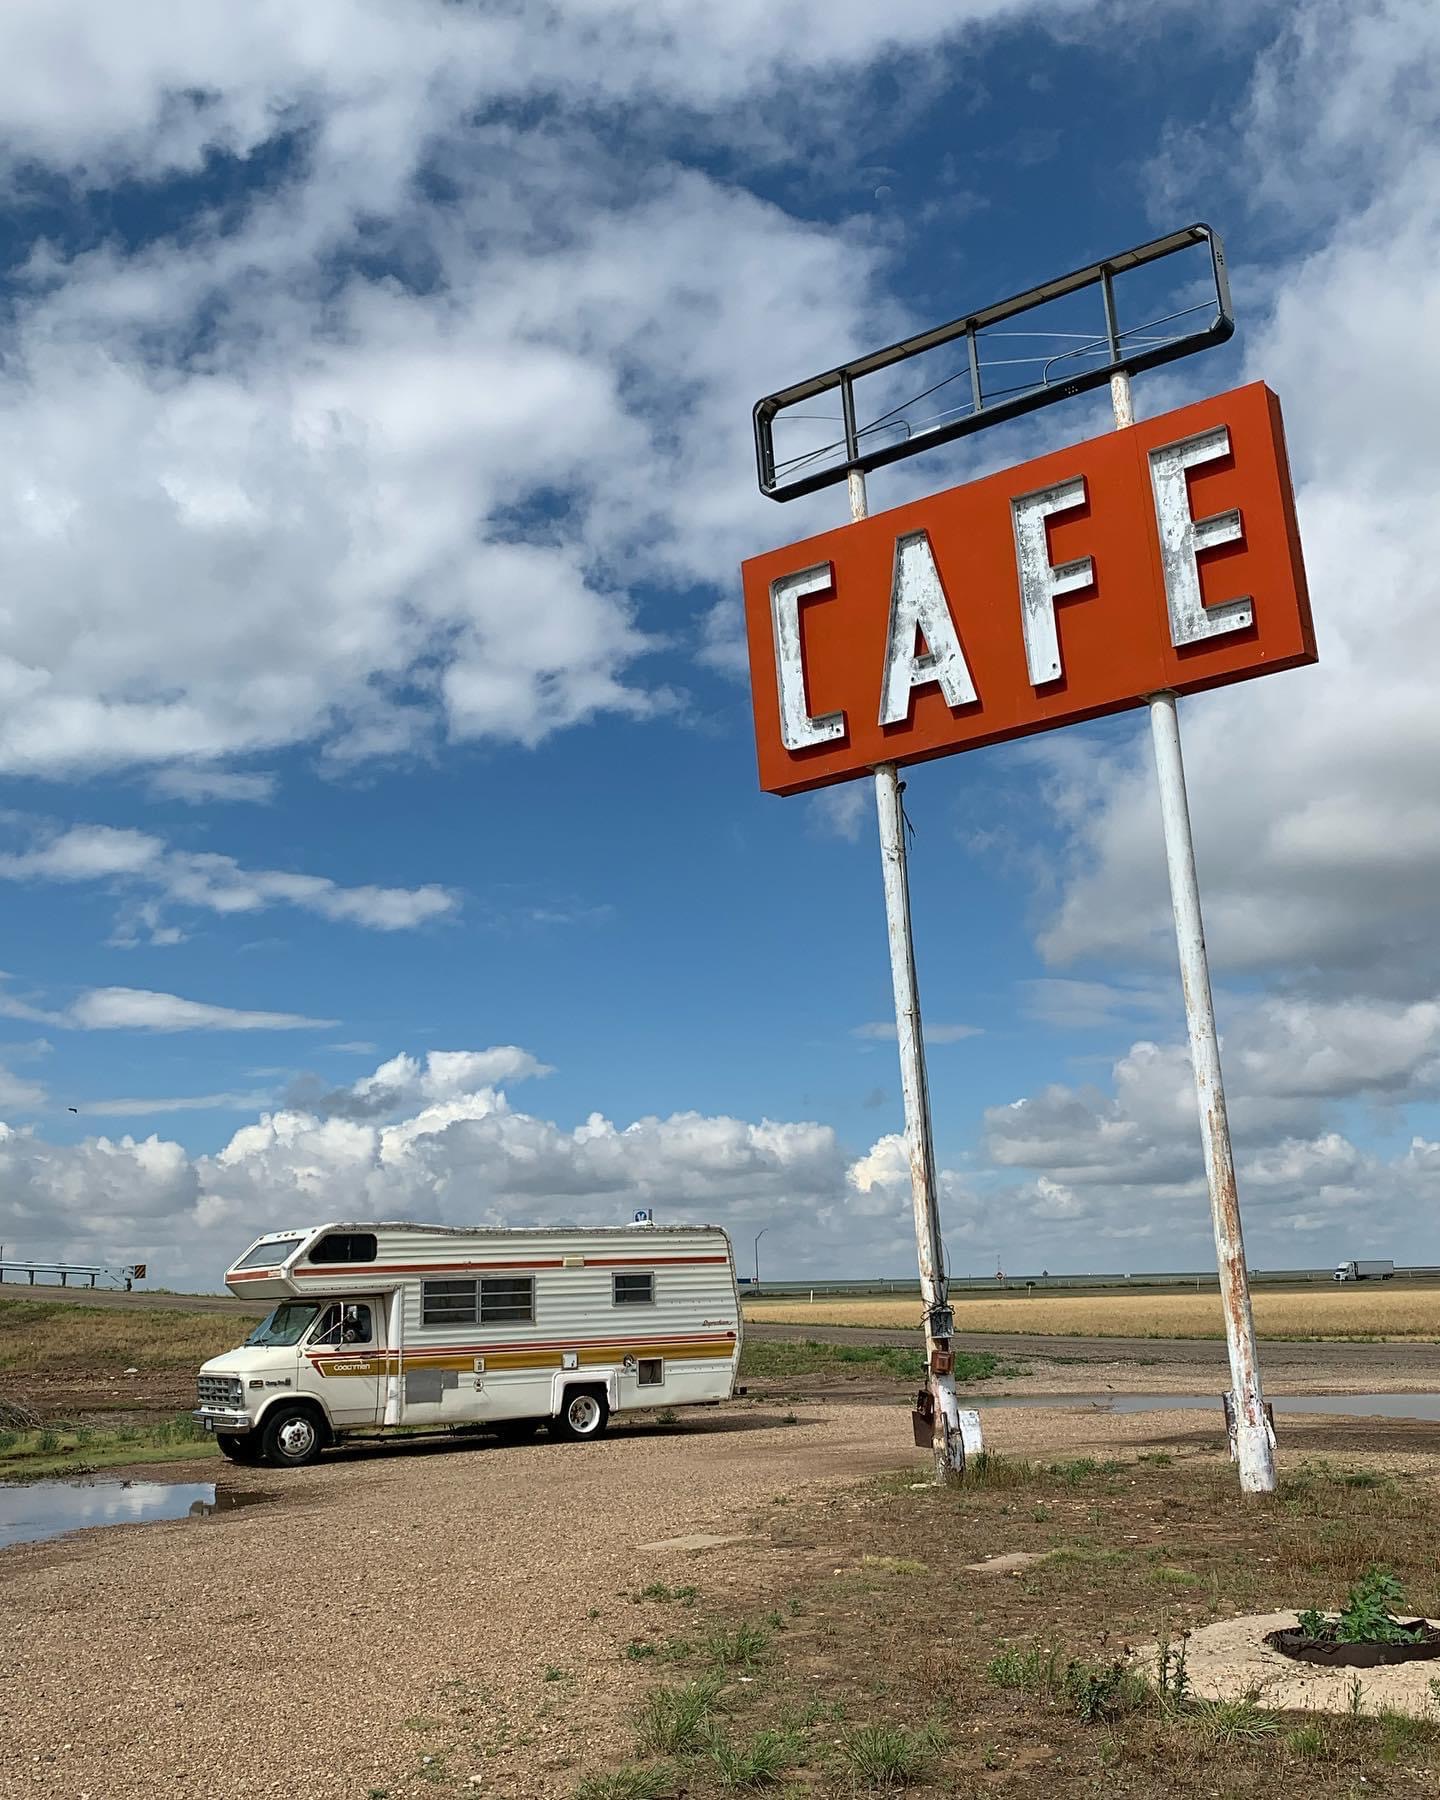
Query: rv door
{"points": [[345, 1353]]}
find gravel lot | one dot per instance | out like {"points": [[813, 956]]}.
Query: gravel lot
{"points": [[463, 1603], [394, 1606]]}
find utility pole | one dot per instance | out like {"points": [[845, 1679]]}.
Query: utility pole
{"points": [[943, 1404], [1254, 1444]]}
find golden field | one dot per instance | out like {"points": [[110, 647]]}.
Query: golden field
{"points": [[1334, 1312]]}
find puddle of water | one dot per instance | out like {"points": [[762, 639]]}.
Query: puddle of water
{"points": [[45, 1509], [1354, 1406]]}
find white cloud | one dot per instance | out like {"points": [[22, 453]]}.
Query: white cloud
{"points": [[842, 811], [198, 785], [139, 861], [464, 1156], [722, 640], [142, 1009], [884, 1030], [408, 1081], [371, 512], [140, 1108], [1093, 1005], [1128, 1158], [153, 91], [17, 1095]]}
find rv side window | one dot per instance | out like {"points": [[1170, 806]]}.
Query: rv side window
{"points": [[448, 1303], [635, 1290], [344, 1324], [650, 1372], [344, 1247], [507, 1299]]}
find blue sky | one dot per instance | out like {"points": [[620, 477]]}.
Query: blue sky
{"points": [[374, 472]]}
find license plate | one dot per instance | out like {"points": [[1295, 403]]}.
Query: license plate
{"points": [[209, 1424]]}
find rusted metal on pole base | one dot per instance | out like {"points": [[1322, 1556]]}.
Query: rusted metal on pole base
{"points": [[1254, 1442], [939, 1405], [1254, 1438]]}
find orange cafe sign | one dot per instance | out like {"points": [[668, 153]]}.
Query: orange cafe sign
{"points": [[1162, 557]]}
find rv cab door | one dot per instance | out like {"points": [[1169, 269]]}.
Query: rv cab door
{"points": [[345, 1354]]}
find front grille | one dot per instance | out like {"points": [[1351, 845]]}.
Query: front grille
{"points": [[220, 1390]]}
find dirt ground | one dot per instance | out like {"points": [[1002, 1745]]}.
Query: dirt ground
{"points": [[467, 1618], [454, 1616]]}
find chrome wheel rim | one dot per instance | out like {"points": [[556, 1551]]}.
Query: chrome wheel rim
{"points": [[297, 1437], [583, 1413]]}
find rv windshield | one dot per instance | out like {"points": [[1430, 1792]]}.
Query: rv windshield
{"points": [[285, 1326]]}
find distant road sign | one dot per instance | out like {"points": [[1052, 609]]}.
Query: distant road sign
{"points": [[1163, 558]]}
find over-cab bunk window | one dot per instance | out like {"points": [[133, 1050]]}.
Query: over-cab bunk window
{"points": [[492, 1300], [344, 1247], [632, 1289]]}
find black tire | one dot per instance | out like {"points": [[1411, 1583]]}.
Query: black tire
{"points": [[584, 1414], [515, 1431], [291, 1437], [238, 1447]]}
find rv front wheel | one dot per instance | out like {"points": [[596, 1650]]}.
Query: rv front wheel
{"points": [[291, 1437], [237, 1448], [583, 1415]]}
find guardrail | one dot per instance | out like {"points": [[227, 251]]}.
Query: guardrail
{"points": [[91, 1274]]}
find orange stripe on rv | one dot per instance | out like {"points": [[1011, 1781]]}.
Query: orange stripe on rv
{"points": [[591, 1262]]}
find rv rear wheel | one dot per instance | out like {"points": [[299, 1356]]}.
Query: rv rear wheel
{"points": [[583, 1414], [238, 1448], [291, 1437]]}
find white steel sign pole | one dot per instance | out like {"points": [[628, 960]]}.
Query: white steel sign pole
{"points": [[948, 1440], [1254, 1445]]}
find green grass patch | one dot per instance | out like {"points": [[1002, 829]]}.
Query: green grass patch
{"points": [[1181, 1578], [1308, 1741], [1226, 1724], [631, 1783], [1094, 1692], [890, 1756], [736, 1647], [77, 1450], [757, 1762], [675, 1721], [767, 1358]]}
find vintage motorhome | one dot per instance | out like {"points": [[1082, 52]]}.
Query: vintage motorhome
{"points": [[395, 1325]]}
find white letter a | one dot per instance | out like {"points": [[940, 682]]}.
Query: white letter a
{"points": [[917, 602]]}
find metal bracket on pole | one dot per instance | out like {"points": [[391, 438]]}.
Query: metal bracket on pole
{"points": [[1254, 1437], [937, 1417]]}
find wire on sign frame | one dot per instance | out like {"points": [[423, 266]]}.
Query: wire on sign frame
{"points": [[979, 379]]}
